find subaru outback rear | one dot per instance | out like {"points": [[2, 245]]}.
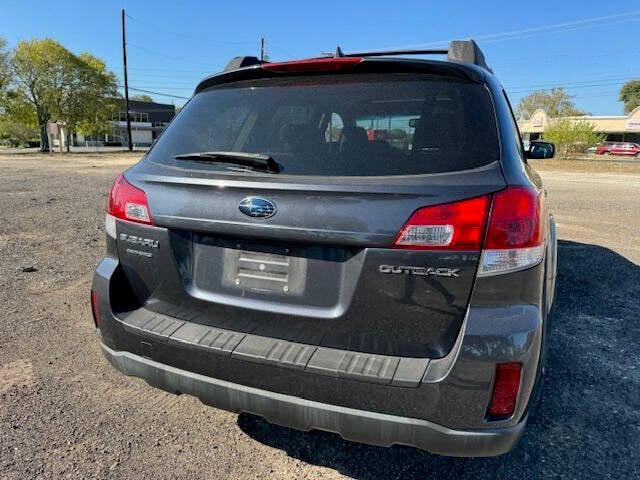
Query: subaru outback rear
{"points": [[351, 244]]}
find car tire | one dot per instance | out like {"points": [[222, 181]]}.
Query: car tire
{"points": [[638, 155], [607, 153]]}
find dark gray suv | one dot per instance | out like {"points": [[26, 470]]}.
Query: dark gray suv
{"points": [[354, 244]]}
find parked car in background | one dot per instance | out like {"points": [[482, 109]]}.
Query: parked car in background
{"points": [[626, 148], [604, 148]]}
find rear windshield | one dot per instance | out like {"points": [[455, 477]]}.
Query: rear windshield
{"points": [[342, 125]]}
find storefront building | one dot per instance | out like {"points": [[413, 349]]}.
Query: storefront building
{"points": [[617, 128], [148, 120]]}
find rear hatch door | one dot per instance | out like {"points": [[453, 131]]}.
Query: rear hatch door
{"points": [[306, 254]]}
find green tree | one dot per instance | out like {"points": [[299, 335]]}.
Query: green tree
{"points": [[5, 69], [40, 70], [556, 102], [16, 134], [18, 123], [90, 99], [630, 95], [61, 86], [142, 98], [572, 136]]}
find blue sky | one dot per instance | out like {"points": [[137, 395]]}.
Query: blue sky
{"points": [[172, 44]]}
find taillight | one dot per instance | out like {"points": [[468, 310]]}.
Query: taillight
{"points": [[94, 309], [127, 202], [505, 391], [452, 226], [515, 235], [313, 65]]}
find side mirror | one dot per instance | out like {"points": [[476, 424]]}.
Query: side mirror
{"points": [[541, 150]]}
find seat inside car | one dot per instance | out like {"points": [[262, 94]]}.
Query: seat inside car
{"points": [[353, 140]]}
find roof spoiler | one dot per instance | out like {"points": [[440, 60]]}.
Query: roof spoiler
{"points": [[465, 51]]}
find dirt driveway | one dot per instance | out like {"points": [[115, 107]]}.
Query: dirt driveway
{"points": [[65, 413]]}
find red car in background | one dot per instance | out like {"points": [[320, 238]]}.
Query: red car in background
{"points": [[604, 148], [626, 148]]}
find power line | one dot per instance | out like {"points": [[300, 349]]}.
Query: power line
{"points": [[165, 75], [170, 57], [526, 32], [578, 82], [185, 82], [136, 89], [564, 30], [193, 37], [166, 87], [279, 47], [150, 92], [160, 69], [570, 87], [566, 57], [598, 95]]}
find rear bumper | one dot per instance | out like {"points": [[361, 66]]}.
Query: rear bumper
{"points": [[444, 413], [295, 412]]}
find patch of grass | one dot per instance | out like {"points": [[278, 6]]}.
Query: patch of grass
{"points": [[598, 165]]}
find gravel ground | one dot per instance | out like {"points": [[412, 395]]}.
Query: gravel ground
{"points": [[65, 413]]}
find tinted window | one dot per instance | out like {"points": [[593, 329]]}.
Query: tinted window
{"points": [[340, 125]]}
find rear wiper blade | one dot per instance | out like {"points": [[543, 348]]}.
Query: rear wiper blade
{"points": [[258, 161]]}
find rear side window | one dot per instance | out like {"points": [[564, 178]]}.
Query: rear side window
{"points": [[342, 125]]}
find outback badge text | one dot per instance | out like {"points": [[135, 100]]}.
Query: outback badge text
{"points": [[426, 271]]}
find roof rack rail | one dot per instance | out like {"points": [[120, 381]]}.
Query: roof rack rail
{"points": [[466, 51], [386, 53]]}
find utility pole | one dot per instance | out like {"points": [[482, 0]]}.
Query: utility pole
{"points": [[262, 49], [126, 84]]}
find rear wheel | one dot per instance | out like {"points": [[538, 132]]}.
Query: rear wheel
{"points": [[638, 155], [607, 153]]}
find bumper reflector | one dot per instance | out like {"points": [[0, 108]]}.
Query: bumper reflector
{"points": [[505, 391], [94, 309]]}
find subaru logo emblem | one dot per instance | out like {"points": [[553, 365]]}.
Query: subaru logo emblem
{"points": [[257, 207]]}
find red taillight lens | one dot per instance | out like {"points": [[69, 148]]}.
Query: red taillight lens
{"points": [[127, 202], [94, 309], [516, 235], [515, 219], [505, 390], [452, 226], [313, 65]]}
